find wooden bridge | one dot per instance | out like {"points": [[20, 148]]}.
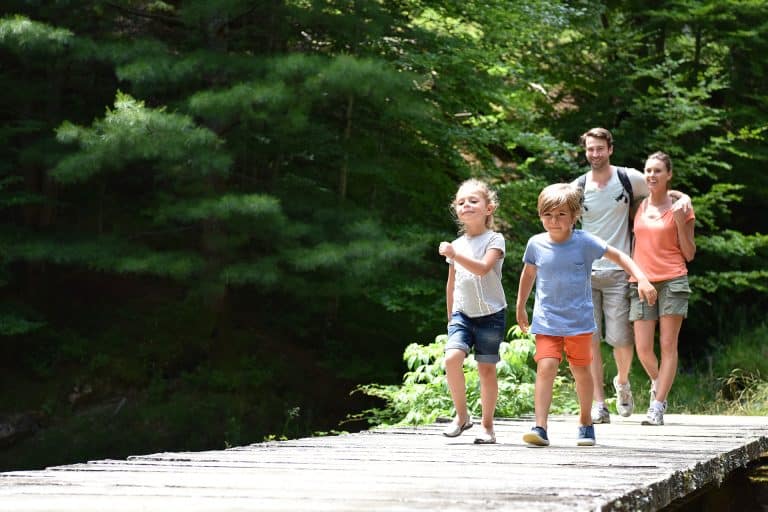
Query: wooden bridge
{"points": [[632, 467]]}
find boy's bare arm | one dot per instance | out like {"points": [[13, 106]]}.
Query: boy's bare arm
{"points": [[527, 278], [645, 289]]}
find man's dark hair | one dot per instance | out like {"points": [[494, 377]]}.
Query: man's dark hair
{"points": [[598, 133]]}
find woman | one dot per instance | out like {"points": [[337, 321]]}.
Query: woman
{"points": [[664, 242]]}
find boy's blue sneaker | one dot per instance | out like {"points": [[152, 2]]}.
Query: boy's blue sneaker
{"points": [[586, 436], [536, 437]]}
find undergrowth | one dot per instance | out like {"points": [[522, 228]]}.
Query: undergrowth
{"points": [[423, 396], [730, 380]]}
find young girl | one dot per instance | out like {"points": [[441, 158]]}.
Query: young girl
{"points": [[476, 304], [664, 242], [560, 262]]}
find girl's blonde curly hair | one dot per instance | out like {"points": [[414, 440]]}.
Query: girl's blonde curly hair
{"points": [[490, 196]]}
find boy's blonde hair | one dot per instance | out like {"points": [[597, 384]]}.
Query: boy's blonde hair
{"points": [[560, 194], [490, 196]]}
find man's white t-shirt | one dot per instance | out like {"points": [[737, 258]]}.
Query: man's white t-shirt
{"points": [[605, 212]]}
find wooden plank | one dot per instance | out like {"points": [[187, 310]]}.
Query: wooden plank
{"points": [[632, 467]]}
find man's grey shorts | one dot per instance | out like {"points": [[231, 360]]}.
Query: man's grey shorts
{"points": [[610, 295], [672, 300]]}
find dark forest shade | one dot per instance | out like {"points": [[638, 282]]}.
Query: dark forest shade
{"points": [[207, 203]]}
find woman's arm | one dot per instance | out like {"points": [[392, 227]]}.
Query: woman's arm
{"points": [[685, 228]]}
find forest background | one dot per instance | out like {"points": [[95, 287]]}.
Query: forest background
{"points": [[220, 218]]}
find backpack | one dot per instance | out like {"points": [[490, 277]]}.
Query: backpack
{"points": [[630, 199]]}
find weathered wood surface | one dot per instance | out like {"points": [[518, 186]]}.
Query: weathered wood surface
{"points": [[632, 467]]}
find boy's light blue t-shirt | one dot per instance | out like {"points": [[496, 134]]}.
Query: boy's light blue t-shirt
{"points": [[563, 299]]}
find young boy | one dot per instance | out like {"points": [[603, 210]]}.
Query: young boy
{"points": [[560, 262]]}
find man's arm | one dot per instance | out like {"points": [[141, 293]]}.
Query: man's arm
{"points": [[682, 201]]}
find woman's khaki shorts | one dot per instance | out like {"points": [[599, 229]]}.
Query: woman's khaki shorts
{"points": [[672, 300]]}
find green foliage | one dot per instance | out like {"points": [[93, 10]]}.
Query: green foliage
{"points": [[131, 132], [106, 253], [25, 36], [257, 207], [423, 396], [732, 379], [11, 325]]}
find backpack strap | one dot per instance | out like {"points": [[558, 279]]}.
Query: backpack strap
{"points": [[582, 184], [624, 179], [627, 184]]}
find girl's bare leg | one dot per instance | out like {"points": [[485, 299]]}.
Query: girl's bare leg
{"points": [[489, 392], [454, 375]]}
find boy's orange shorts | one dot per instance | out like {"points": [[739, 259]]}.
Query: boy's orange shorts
{"points": [[578, 348]]}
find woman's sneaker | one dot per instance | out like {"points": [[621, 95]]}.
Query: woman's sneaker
{"points": [[536, 437], [624, 402], [586, 436], [486, 437], [655, 415], [600, 414], [454, 429]]}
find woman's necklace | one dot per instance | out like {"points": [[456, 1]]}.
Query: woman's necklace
{"points": [[656, 211]]}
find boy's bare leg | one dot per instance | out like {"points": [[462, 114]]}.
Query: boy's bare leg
{"points": [[583, 378], [546, 371]]}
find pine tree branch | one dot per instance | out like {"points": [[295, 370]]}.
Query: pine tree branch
{"points": [[143, 14], [156, 232]]}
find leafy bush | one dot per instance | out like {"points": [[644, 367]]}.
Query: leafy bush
{"points": [[423, 396], [730, 379]]}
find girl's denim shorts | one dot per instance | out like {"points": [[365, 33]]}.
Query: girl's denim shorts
{"points": [[483, 333]]}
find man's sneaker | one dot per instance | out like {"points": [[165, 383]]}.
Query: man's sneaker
{"points": [[655, 416], [600, 414], [625, 405], [536, 437], [586, 436]]}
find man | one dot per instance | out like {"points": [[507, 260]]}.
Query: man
{"points": [[606, 213]]}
